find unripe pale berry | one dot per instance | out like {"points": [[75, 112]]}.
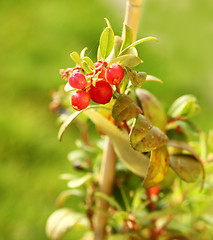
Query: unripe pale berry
{"points": [[114, 74], [77, 80], [101, 93], [80, 100]]}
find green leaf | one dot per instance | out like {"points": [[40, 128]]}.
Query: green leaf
{"points": [[76, 58], [109, 199], [124, 108], [154, 139], [86, 68], [89, 62], [137, 78], [117, 45], [188, 127], [185, 106], [128, 36], [99, 54], [61, 221], [152, 108], [66, 194], [184, 146], [136, 162], [83, 52], [108, 23], [139, 130], [106, 42], [75, 183], [70, 119], [158, 167], [127, 61], [138, 42], [153, 78], [185, 166]]}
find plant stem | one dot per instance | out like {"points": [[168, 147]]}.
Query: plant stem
{"points": [[132, 15], [106, 183]]}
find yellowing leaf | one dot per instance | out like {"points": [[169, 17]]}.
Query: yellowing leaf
{"points": [[154, 139], [158, 167], [140, 128], [124, 108], [127, 61], [186, 167], [137, 78]]}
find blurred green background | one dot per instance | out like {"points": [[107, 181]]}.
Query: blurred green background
{"points": [[36, 38]]}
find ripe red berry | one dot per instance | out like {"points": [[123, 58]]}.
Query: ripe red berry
{"points": [[101, 75], [114, 74], [101, 93], [77, 80], [80, 100]]}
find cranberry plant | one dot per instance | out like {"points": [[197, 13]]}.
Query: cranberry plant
{"points": [[152, 148]]}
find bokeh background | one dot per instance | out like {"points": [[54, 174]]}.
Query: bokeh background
{"points": [[36, 38]]}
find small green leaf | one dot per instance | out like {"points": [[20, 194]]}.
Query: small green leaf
{"points": [[139, 42], [188, 127], [76, 58], [153, 78], [66, 194], [83, 52], [186, 167], [61, 221], [86, 68], [139, 130], [99, 54], [117, 45], [128, 36], [89, 62], [127, 61], [137, 78], [75, 183], [106, 42], [152, 108], [108, 23], [124, 108], [154, 139], [158, 167], [185, 106]]}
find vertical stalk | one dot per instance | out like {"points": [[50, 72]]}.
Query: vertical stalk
{"points": [[106, 183], [132, 15]]}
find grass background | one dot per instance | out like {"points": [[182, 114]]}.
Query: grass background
{"points": [[36, 38]]}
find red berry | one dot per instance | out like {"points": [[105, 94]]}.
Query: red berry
{"points": [[80, 100], [101, 93], [114, 74], [101, 75], [77, 80]]}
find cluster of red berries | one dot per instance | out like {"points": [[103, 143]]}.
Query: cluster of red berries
{"points": [[99, 90]]}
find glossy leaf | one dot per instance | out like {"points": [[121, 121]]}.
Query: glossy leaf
{"points": [[83, 52], [154, 139], [128, 36], [127, 61], [61, 221], [106, 42], [75, 183], [158, 167], [86, 67], [153, 78], [117, 45], [186, 167], [185, 106], [137, 78], [188, 127], [124, 108], [139, 130], [139, 42], [152, 108], [89, 62], [136, 162], [76, 58]]}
